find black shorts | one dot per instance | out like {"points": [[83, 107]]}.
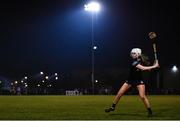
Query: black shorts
{"points": [[135, 82]]}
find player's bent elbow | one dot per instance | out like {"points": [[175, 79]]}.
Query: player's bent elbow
{"points": [[142, 68]]}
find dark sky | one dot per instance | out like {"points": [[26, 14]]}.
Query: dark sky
{"points": [[55, 35]]}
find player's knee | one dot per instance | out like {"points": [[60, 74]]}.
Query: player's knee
{"points": [[120, 93], [142, 97]]}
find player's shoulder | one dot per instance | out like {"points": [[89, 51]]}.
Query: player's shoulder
{"points": [[135, 62]]}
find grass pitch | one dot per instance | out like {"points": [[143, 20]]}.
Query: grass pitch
{"points": [[86, 108]]}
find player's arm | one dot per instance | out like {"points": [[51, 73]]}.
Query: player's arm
{"points": [[144, 68]]}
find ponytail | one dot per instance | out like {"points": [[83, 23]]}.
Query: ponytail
{"points": [[145, 59]]}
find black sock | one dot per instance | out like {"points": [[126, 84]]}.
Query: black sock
{"points": [[149, 110], [113, 105]]}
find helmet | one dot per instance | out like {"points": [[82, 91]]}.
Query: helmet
{"points": [[137, 51]]}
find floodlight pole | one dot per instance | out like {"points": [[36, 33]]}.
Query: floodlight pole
{"points": [[93, 7], [92, 51]]}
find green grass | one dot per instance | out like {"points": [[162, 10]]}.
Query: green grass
{"points": [[85, 107]]}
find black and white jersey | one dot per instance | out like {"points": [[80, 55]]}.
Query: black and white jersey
{"points": [[135, 73]]}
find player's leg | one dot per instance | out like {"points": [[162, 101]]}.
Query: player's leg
{"points": [[120, 93], [141, 89]]}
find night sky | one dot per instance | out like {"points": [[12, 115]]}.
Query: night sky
{"points": [[55, 35]]}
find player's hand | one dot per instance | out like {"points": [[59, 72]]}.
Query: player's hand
{"points": [[156, 64]]}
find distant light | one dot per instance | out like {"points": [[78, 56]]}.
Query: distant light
{"points": [[41, 73], [25, 77], [26, 85], [56, 78], [95, 47], [174, 69], [93, 7], [47, 77], [16, 82], [12, 84], [38, 85], [55, 74], [0, 82], [49, 85], [22, 81], [43, 81], [96, 81]]}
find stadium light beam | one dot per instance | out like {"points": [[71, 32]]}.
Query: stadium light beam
{"points": [[92, 7]]}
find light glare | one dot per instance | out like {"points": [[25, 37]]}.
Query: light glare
{"points": [[56, 78], [47, 77], [95, 47], [93, 7], [174, 69]]}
